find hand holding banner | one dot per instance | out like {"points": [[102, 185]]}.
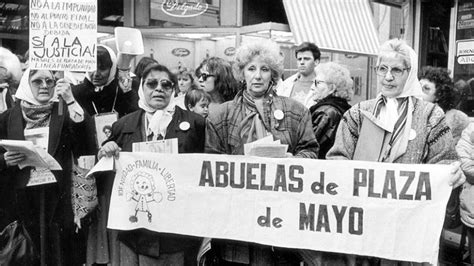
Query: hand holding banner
{"points": [[392, 211]]}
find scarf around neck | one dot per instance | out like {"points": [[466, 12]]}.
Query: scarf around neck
{"points": [[252, 126]]}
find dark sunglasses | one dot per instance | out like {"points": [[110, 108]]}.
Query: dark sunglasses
{"points": [[165, 84], [204, 76]]}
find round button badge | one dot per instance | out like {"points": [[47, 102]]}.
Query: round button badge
{"points": [[184, 126], [278, 114]]}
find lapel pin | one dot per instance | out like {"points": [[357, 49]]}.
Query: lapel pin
{"points": [[278, 114], [184, 126]]}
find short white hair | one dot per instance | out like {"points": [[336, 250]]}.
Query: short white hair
{"points": [[11, 63]]}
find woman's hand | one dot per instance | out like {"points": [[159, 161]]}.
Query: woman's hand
{"points": [[457, 175], [109, 149], [63, 89], [13, 158]]}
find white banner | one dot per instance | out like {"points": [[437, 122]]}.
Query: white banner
{"points": [[63, 34], [392, 211]]}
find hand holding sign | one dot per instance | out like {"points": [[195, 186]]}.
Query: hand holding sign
{"points": [[63, 89]]}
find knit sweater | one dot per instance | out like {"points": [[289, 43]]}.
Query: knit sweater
{"points": [[433, 142]]}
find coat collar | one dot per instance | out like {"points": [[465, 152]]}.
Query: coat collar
{"points": [[17, 126]]}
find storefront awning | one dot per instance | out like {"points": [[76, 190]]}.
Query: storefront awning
{"points": [[341, 25]]}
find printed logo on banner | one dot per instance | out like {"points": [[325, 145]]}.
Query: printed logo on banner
{"points": [[146, 183], [184, 9]]}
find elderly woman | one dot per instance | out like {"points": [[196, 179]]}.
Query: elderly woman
{"points": [[47, 206], [216, 78], [10, 75], [333, 90], [411, 131], [256, 112], [157, 118], [101, 92]]}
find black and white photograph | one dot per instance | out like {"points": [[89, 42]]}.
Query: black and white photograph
{"points": [[236, 132]]}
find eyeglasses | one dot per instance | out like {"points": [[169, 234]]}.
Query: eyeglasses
{"points": [[318, 82], [394, 71], [204, 76], [165, 84], [39, 82]]}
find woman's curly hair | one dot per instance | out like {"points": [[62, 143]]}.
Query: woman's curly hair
{"points": [[446, 94], [268, 50]]}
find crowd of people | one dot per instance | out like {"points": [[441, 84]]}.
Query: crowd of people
{"points": [[226, 105]]}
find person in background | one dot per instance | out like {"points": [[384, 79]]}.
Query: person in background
{"points": [[157, 118], [465, 149], [298, 86], [256, 112], [197, 101], [216, 78], [186, 82], [10, 75], [333, 90], [46, 206], [421, 135], [101, 92], [438, 88], [142, 64]]}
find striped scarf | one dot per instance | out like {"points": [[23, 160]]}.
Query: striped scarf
{"points": [[398, 132]]}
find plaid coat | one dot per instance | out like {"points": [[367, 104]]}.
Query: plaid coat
{"points": [[294, 129]]}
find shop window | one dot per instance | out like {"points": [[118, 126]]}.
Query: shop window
{"points": [[14, 16], [110, 13], [435, 19], [464, 56]]}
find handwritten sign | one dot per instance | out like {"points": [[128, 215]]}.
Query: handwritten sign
{"points": [[392, 211], [63, 34]]}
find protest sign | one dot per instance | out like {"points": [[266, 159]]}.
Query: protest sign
{"points": [[63, 35], [392, 211]]}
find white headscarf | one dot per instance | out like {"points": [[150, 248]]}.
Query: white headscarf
{"points": [[389, 114], [24, 90], [158, 119], [412, 85], [113, 69]]}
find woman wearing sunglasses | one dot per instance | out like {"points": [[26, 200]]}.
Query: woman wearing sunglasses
{"points": [[216, 78], [46, 205], [158, 118], [408, 129]]}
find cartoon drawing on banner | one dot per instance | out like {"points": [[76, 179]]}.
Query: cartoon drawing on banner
{"points": [[143, 191]]}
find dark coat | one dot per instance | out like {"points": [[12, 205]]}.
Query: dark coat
{"points": [[23, 203], [104, 100], [128, 130], [326, 115]]}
